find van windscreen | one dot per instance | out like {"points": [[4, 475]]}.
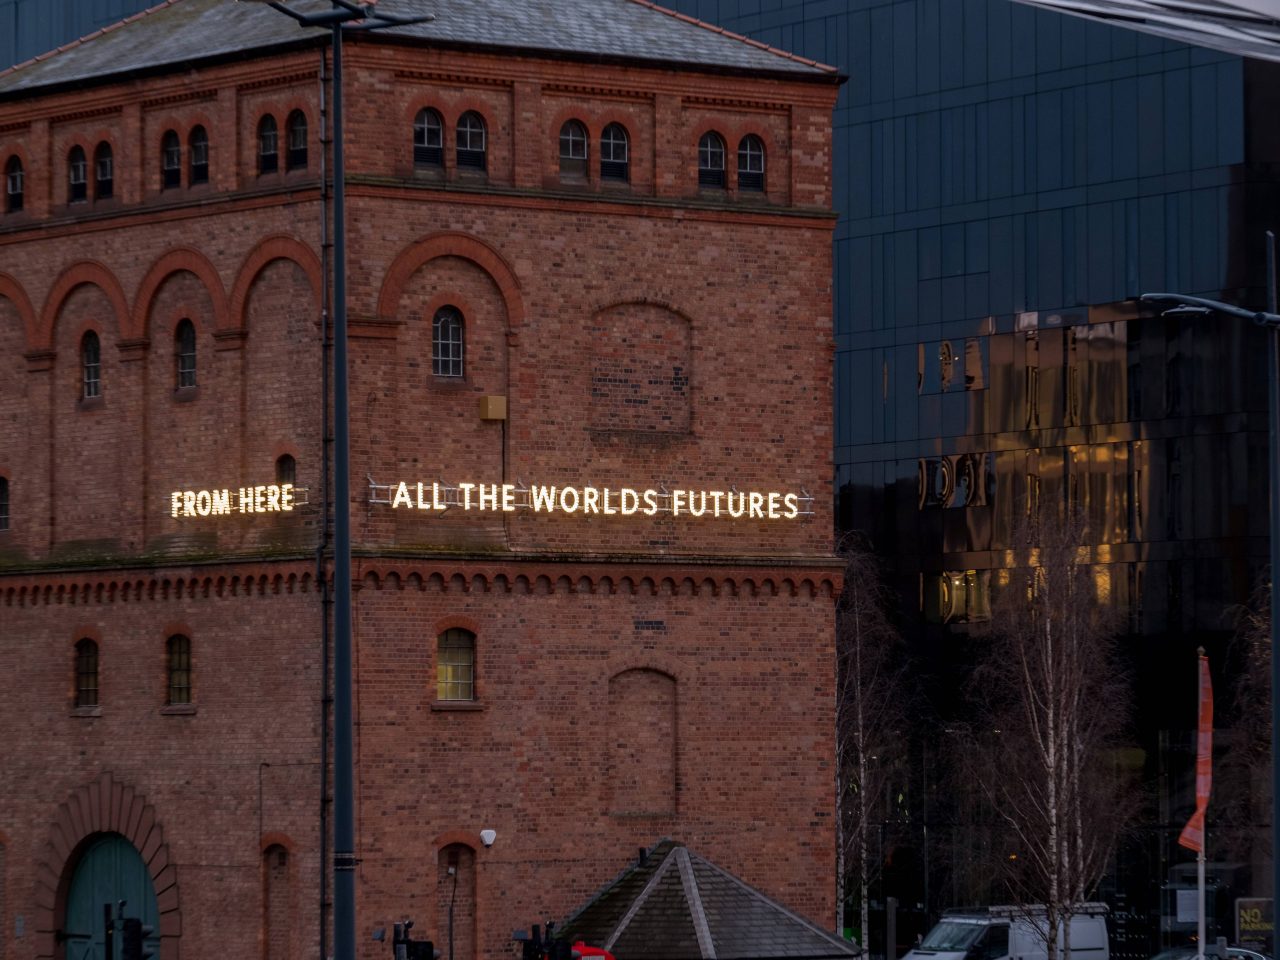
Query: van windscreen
{"points": [[951, 935]]}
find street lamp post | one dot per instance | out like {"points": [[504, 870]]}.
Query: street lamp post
{"points": [[343, 12], [1270, 319]]}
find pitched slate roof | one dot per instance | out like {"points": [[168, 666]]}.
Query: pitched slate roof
{"points": [[674, 905], [181, 32]]}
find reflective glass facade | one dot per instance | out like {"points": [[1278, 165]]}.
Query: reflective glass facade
{"points": [[1008, 179]]}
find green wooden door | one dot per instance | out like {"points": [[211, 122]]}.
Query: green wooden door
{"points": [[110, 870]]}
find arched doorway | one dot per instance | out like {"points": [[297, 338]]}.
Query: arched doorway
{"points": [[109, 870]]}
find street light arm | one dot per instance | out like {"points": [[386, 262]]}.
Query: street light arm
{"points": [[1260, 317]]}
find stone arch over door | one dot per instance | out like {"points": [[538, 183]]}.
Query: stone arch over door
{"points": [[103, 806]]}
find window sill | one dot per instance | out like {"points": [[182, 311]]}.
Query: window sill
{"points": [[90, 403], [86, 711], [186, 394], [456, 706], [178, 710]]}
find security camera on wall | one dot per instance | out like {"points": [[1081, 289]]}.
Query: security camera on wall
{"points": [[487, 837]]}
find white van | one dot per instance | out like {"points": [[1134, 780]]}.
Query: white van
{"points": [[1012, 933]]}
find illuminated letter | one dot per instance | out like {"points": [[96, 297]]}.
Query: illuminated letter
{"points": [[286, 497], [259, 499], [676, 497], [698, 511], [222, 502], [544, 498], [630, 501], [742, 504], [590, 500], [607, 511], [564, 499], [716, 497], [773, 506], [489, 501], [757, 505], [402, 497], [174, 498], [204, 503], [422, 504], [188, 503], [245, 500], [466, 489], [793, 506], [508, 497], [273, 498], [650, 502]]}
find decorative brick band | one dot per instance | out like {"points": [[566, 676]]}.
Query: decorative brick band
{"points": [[123, 587], [103, 806]]}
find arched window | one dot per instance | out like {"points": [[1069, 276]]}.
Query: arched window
{"points": [[77, 175], [90, 366], [198, 155], [751, 163], [615, 153], [4, 503], [456, 665], [268, 147], [447, 343], [428, 139], [14, 185], [471, 141], [170, 161], [103, 172], [573, 149], [296, 125], [86, 673], [184, 352], [177, 651], [286, 469], [711, 160]]}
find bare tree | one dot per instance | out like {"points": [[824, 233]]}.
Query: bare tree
{"points": [[1054, 705], [871, 713]]}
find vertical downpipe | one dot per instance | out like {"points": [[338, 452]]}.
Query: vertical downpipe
{"points": [[323, 548]]}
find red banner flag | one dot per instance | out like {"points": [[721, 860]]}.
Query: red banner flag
{"points": [[1193, 833]]}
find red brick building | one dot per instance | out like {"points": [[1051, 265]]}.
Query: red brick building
{"points": [[588, 253]]}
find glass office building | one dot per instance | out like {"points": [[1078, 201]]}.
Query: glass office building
{"points": [[1008, 180]]}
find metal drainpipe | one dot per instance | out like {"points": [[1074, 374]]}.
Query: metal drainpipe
{"points": [[323, 547]]}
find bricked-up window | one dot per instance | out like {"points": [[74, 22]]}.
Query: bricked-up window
{"points": [[428, 139], [14, 185], [86, 673], [573, 149], [178, 668], [198, 155], [447, 343], [296, 126], [751, 163], [276, 897], [170, 160], [77, 175], [4, 503], [711, 160], [286, 469], [90, 366], [615, 153], [456, 665], [184, 351], [103, 172], [268, 145], [471, 141]]}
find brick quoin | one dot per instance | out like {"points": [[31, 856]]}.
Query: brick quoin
{"points": [[635, 677]]}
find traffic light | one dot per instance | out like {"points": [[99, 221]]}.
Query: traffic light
{"points": [[134, 939]]}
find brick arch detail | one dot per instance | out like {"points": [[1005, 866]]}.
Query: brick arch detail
{"points": [[78, 274], [104, 805], [183, 259], [271, 249], [410, 260], [12, 291], [651, 661]]}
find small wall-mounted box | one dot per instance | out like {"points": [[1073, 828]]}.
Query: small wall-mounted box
{"points": [[493, 408]]}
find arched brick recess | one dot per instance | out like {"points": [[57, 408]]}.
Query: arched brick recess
{"points": [[172, 262], [104, 806], [272, 248], [12, 291], [451, 245], [86, 271]]}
